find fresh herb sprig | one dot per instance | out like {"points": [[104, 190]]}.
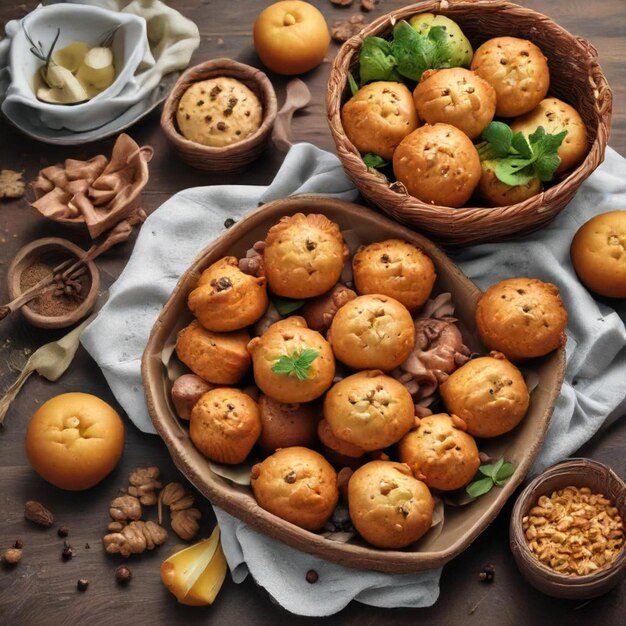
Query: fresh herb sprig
{"points": [[285, 306], [375, 161], [495, 474], [297, 364], [517, 160], [38, 51]]}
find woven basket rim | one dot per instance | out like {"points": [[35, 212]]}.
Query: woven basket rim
{"points": [[232, 69], [347, 152]]}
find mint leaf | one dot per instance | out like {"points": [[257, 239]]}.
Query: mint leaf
{"points": [[504, 473], [479, 487], [285, 306], [514, 171], [374, 160], [499, 136], [297, 364], [377, 61], [545, 149], [486, 470], [353, 84], [546, 165], [519, 143]]}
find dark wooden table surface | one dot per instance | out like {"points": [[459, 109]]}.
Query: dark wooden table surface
{"points": [[42, 589]]}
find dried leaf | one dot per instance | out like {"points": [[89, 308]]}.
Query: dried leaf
{"points": [[238, 474]]}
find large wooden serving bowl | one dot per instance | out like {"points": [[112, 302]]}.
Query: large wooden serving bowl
{"points": [[462, 525]]}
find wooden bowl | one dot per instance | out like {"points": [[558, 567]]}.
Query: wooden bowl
{"points": [[580, 83], [235, 157], [461, 525], [578, 473], [40, 249]]}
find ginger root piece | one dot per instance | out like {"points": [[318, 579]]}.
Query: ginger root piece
{"points": [[11, 184], [143, 484], [135, 538]]}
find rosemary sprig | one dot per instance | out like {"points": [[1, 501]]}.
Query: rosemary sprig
{"points": [[107, 38], [38, 51]]}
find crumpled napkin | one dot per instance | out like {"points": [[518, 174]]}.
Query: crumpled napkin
{"points": [[172, 39], [594, 390], [98, 192]]}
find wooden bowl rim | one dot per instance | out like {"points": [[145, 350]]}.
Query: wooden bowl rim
{"points": [[29, 252], [232, 69], [576, 468], [350, 555]]}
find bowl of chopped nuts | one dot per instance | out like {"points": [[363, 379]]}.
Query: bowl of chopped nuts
{"points": [[567, 530]]}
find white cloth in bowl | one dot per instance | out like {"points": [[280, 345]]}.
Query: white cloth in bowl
{"points": [[594, 390]]}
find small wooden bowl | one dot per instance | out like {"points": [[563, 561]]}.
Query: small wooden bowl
{"points": [[40, 249], [228, 159], [579, 473]]}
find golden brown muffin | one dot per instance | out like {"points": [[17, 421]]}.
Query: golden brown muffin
{"points": [[496, 193], [522, 318], [218, 112], [517, 70], [438, 164], [440, 452], [394, 268], [319, 312], [304, 255], [336, 445], [455, 96], [297, 485], [224, 425], [286, 425], [489, 394], [369, 410], [226, 299], [372, 332], [378, 117], [220, 358], [556, 116], [388, 506], [599, 254], [290, 339]]}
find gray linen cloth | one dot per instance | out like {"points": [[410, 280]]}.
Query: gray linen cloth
{"points": [[594, 391]]}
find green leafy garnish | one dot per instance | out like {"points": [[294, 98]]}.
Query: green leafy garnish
{"points": [[517, 160], [354, 87], [374, 161], [297, 364], [377, 61], [285, 306], [494, 474]]}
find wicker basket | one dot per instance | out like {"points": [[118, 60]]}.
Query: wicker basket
{"points": [[576, 78], [232, 158]]}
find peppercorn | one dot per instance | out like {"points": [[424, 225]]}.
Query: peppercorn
{"points": [[63, 531], [86, 546], [12, 556], [488, 574], [82, 584], [19, 544], [123, 575], [228, 222], [68, 551], [312, 576]]}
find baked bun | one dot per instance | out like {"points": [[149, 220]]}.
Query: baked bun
{"points": [[388, 506], [496, 193], [290, 338], [304, 255], [599, 254], [556, 116], [455, 96], [489, 394], [438, 164], [220, 358], [378, 117], [372, 332], [297, 485], [369, 410], [522, 318], [218, 112], [394, 268], [517, 70], [286, 425], [224, 425], [335, 445], [440, 452], [226, 299]]}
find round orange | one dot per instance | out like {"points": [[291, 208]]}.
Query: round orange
{"points": [[291, 37], [74, 440]]}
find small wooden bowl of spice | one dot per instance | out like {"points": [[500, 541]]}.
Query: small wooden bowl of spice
{"points": [[567, 530], [67, 299], [220, 115]]}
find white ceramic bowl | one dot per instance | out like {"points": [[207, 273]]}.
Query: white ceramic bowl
{"points": [[76, 23]]}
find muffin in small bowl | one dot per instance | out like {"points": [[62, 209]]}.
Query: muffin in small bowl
{"points": [[558, 523], [219, 115]]}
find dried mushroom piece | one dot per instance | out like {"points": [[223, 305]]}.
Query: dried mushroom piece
{"points": [[11, 184]]}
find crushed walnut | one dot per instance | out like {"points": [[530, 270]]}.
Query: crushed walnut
{"points": [[574, 531], [342, 30]]}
